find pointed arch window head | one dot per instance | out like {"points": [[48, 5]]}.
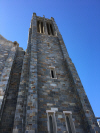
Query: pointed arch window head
{"points": [[69, 122], [51, 121], [40, 26]]}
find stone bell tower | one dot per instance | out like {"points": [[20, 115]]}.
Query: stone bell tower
{"points": [[50, 97]]}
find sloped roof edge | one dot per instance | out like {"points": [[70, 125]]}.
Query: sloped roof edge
{"points": [[2, 38]]}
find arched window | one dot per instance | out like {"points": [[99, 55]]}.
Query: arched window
{"points": [[69, 122], [51, 121], [51, 124]]}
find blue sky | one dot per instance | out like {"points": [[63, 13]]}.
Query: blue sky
{"points": [[79, 24]]}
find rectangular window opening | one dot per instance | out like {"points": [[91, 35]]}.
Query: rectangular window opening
{"points": [[51, 29], [41, 27], [52, 73], [38, 29], [48, 29]]}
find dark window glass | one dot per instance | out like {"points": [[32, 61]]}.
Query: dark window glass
{"points": [[51, 29], [68, 124], [38, 29], [52, 73], [48, 29], [41, 27], [51, 124]]}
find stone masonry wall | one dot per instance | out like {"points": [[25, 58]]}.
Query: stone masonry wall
{"points": [[55, 93], [7, 54], [20, 113], [86, 111], [6, 123]]}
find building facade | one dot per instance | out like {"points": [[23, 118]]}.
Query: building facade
{"points": [[99, 123], [40, 90]]}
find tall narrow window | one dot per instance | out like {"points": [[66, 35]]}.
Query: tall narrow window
{"points": [[48, 30], [51, 29], [41, 27], [51, 121], [69, 122], [52, 73], [51, 124], [38, 29]]}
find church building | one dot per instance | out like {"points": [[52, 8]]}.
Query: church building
{"points": [[40, 90]]}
